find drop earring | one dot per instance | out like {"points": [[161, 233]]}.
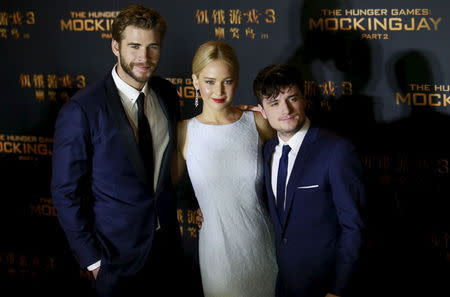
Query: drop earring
{"points": [[196, 98]]}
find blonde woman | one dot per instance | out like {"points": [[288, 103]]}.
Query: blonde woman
{"points": [[222, 150]]}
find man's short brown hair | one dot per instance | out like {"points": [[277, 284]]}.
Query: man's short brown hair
{"points": [[272, 79], [140, 17]]}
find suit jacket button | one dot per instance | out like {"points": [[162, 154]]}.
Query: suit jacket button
{"points": [[285, 240]]}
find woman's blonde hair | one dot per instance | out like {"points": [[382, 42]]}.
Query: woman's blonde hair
{"points": [[214, 50]]}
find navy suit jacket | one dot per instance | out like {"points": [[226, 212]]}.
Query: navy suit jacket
{"points": [[318, 242], [100, 188]]}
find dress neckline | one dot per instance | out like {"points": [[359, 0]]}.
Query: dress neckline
{"points": [[218, 125]]}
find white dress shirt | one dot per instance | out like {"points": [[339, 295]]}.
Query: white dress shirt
{"points": [[295, 143], [155, 115]]}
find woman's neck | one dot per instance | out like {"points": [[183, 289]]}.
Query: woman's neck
{"points": [[219, 117]]}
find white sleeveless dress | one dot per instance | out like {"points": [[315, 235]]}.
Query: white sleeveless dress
{"points": [[236, 242]]}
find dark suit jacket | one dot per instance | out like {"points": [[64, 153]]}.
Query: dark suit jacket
{"points": [[318, 242], [100, 188]]}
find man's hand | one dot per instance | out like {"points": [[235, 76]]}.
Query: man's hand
{"points": [[199, 218]]}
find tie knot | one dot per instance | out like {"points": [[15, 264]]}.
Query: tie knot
{"points": [[140, 101], [286, 149]]}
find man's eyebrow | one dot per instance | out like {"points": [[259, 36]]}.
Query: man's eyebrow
{"points": [[271, 99], [295, 95]]}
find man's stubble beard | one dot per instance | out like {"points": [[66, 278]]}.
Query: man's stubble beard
{"points": [[128, 70]]}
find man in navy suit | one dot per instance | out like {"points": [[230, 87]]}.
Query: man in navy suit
{"points": [[111, 183], [315, 192]]}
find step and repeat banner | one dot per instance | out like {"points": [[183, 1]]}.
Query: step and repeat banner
{"points": [[378, 72]]}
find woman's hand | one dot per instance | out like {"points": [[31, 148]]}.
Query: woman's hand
{"points": [[246, 107], [199, 218]]}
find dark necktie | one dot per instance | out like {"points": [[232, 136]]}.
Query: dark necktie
{"points": [[145, 138], [281, 181]]}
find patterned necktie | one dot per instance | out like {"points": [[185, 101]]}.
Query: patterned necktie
{"points": [[145, 138], [281, 181]]}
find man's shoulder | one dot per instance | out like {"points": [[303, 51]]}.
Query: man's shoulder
{"points": [[159, 79], [92, 93], [157, 82], [331, 141], [90, 98], [328, 135], [169, 95], [270, 143]]}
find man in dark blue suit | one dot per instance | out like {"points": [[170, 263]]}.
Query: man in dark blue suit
{"points": [[315, 192], [111, 182]]}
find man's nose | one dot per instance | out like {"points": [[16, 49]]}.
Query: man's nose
{"points": [[286, 108], [143, 55]]}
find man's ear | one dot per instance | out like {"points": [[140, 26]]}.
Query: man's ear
{"points": [[195, 82], [115, 46], [263, 112]]}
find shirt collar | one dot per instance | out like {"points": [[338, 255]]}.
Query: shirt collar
{"points": [[125, 90], [296, 140]]}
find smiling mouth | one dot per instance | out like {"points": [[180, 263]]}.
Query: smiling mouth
{"points": [[218, 100], [144, 67], [288, 118]]}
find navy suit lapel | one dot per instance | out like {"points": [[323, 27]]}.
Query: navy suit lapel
{"points": [[299, 167], [125, 129], [270, 148]]}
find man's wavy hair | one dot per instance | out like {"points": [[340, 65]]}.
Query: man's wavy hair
{"points": [[140, 17]]}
